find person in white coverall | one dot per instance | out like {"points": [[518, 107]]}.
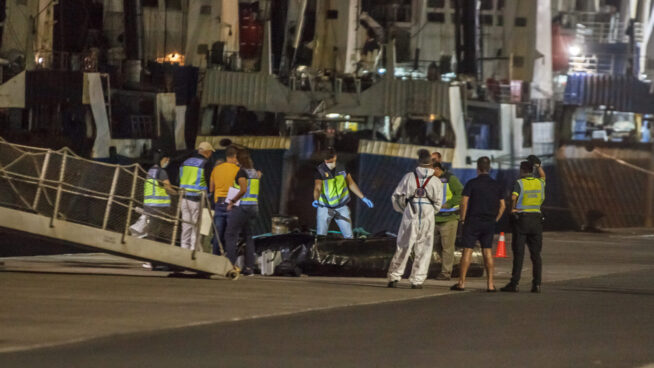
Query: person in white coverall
{"points": [[418, 197]]}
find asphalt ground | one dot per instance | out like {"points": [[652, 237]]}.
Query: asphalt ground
{"points": [[596, 310]]}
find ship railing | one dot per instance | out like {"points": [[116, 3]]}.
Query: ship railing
{"points": [[601, 32], [65, 187], [594, 64]]}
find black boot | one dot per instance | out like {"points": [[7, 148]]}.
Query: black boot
{"points": [[510, 287], [535, 288]]}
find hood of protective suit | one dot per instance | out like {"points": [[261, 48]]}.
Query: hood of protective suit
{"points": [[424, 172]]}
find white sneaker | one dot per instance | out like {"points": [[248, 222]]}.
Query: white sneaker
{"points": [[147, 265]]}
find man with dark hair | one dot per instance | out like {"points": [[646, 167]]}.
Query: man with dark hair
{"points": [[418, 197], [482, 206], [447, 219], [527, 197], [331, 195], [222, 177]]}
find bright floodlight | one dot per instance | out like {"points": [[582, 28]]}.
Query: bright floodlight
{"points": [[574, 50]]}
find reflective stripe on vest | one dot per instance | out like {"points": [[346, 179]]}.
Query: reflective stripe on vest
{"points": [[334, 189], [191, 176], [154, 194], [447, 195], [251, 196], [532, 195]]}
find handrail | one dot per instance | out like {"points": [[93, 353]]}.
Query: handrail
{"points": [[26, 176]]}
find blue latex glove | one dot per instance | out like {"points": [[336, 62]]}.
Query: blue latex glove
{"points": [[367, 202], [316, 204]]}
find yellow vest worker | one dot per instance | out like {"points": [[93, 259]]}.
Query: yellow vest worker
{"points": [[447, 220], [530, 192], [331, 194], [528, 196], [243, 211], [192, 178], [251, 196], [154, 193]]}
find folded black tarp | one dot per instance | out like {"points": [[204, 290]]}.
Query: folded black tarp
{"points": [[363, 257]]}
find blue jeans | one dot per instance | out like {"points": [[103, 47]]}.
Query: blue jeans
{"points": [[342, 217], [220, 215]]}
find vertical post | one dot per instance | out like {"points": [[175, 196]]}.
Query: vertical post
{"points": [[44, 171], [131, 203], [112, 191], [177, 215], [198, 223], [649, 194], [62, 169]]}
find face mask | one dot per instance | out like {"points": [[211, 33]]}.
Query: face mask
{"points": [[165, 165], [331, 165]]}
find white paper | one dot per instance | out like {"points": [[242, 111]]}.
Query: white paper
{"points": [[207, 222], [231, 194]]}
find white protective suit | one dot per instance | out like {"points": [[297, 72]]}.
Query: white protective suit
{"points": [[417, 227]]}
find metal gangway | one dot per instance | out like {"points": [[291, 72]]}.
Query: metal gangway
{"points": [[64, 197]]}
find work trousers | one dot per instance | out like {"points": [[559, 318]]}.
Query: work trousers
{"points": [[445, 238], [190, 215], [340, 214], [156, 227], [241, 220], [528, 228]]}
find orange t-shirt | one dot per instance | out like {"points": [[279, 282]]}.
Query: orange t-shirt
{"points": [[223, 177]]}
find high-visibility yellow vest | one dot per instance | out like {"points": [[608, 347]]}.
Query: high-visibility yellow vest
{"points": [[191, 176], [334, 191], [251, 196], [154, 194], [447, 195], [532, 194]]}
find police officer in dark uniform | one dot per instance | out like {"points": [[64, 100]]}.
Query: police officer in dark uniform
{"points": [[528, 196]]}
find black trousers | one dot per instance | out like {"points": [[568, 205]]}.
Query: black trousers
{"points": [[527, 229], [241, 220]]}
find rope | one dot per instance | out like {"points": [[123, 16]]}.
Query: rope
{"points": [[623, 162]]}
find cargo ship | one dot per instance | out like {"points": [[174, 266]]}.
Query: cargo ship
{"points": [[377, 80]]}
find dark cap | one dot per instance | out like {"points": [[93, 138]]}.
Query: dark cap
{"points": [[328, 153], [158, 154], [526, 166]]}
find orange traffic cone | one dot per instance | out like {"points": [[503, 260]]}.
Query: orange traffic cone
{"points": [[501, 247]]}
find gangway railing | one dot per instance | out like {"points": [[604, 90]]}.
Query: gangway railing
{"points": [[59, 195]]}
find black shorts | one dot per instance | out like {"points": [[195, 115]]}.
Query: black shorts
{"points": [[478, 230]]}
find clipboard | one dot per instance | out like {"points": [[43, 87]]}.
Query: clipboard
{"points": [[231, 194]]}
